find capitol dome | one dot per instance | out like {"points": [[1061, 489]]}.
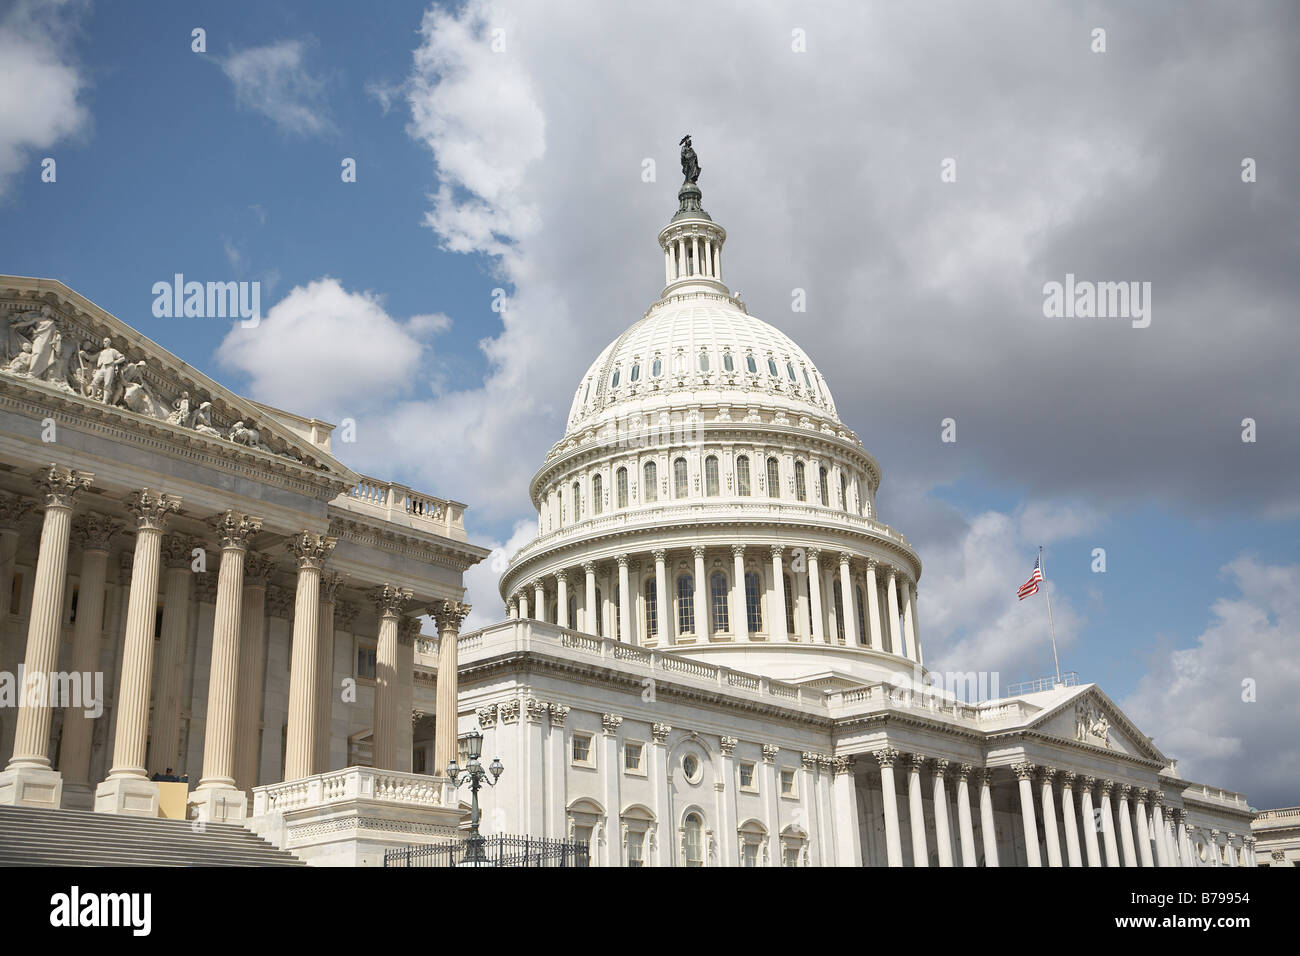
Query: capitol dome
{"points": [[706, 497]]}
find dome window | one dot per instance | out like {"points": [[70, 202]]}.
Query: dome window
{"points": [[771, 368], [704, 361], [728, 364], [751, 365], [636, 373], [657, 367], [586, 393], [742, 475], [614, 382], [679, 364], [806, 380], [789, 370]]}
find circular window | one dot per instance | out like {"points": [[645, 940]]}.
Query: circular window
{"points": [[691, 767]]}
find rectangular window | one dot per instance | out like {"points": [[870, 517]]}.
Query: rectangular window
{"points": [[685, 605], [632, 757], [790, 856], [773, 478], [746, 776], [749, 854], [365, 662], [753, 603], [787, 783], [711, 476], [718, 602], [582, 749], [417, 760], [621, 481], [742, 476], [636, 848]]}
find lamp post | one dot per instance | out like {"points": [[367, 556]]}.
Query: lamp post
{"points": [[475, 775]]}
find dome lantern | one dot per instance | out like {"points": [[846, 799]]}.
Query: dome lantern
{"points": [[692, 241]]}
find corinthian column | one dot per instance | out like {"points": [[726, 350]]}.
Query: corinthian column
{"points": [[311, 551], [665, 624], [625, 600], [1050, 836], [447, 617], [28, 780], [562, 599], [92, 533], [942, 821], [920, 854], [389, 602], [739, 611], [252, 644], [873, 608], [1126, 826], [895, 639], [164, 736], [1089, 820], [846, 589], [1108, 824], [329, 589], [965, 827], [590, 613], [1024, 774], [1071, 819], [1160, 835], [701, 597], [1143, 831], [776, 625], [217, 799], [889, 796], [988, 828], [818, 623], [128, 788]]}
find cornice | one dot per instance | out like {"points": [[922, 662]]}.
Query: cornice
{"points": [[434, 549]]}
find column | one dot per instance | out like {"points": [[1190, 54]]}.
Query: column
{"points": [[625, 598], [913, 622], [408, 632], [815, 596], [1216, 858], [448, 616], [1182, 834], [895, 639], [846, 588], [1089, 820], [164, 734], [739, 606], [663, 843], [988, 828], [13, 514], [562, 599], [848, 842], [1143, 830], [1158, 825], [1126, 826], [28, 780], [909, 626], [252, 655], [701, 596], [91, 533], [1189, 852], [873, 608], [1024, 773], [661, 597], [329, 589], [668, 267], [965, 828], [1050, 834], [1108, 824], [311, 550], [523, 604], [217, 800], [512, 609], [776, 626], [942, 818], [539, 600], [1071, 820], [889, 796], [920, 854], [390, 602], [708, 256]]}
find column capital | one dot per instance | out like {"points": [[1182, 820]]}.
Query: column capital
{"points": [[660, 554], [872, 564], [886, 756], [345, 615], [697, 551], [964, 771], [1023, 771], [151, 511], [178, 551], [916, 762], [311, 549], [257, 568], [534, 710], [562, 577], [770, 752], [1158, 797], [622, 559], [843, 765], [1106, 786], [449, 615], [486, 715], [845, 559], [737, 551], [1124, 790], [660, 732], [776, 552], [14, 510], [814, 554], [390, 601], [330, 582], [1142, 794], [729, 745], [986, 776], [59, 487], [558, 713], [1067, 779], [891, 572], [234, 529], [810, 760], [1045, 774], [408, 629], [609, 723], [941, 767], [1086, 783], [91, 532]]}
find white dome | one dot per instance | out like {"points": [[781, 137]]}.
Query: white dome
{"points": [[700, 347]]}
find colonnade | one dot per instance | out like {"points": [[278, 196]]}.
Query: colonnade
{"points": [[741, 593]]}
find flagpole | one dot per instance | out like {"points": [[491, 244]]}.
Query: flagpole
{"points": [[1042, 566]]}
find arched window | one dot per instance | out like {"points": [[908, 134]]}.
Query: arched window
{"points": [[686, 604], [742, 475], [753, 603], [711, 476], [614, 382], [657, 367], [704, 361], [651, 609], [789, 604], [839, 611], [597, 494], [599, 612], [577, 501], [823, 488], [620, 485], [771, 368], [650, 486], [636, 372], [800, 485], [844, 492], [693, 840], [773, 478], [862, 624], [718, 602], [728, 364], [679, 478], [751, 365]]}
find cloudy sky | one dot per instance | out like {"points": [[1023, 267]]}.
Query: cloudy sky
{"points": [[503, 146]]}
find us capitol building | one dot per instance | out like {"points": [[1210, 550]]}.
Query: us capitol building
{"points": [[711, 655]]}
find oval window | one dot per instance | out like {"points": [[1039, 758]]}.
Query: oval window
{"points": [[636, 373], [614, 383], [657, 368], [727, 363], [691, 767]]}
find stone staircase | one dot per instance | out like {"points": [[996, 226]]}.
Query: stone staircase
{"points": [[30, 837]]}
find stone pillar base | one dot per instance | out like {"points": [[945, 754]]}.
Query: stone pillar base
{"points": [[132, 796], [218, 805], [78, 796], [31, 787]]}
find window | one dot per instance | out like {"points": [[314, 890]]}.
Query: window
{"points": [[679, 364], [711, 476], [651, 609], [636, 372], [620, 484], [862, 625], [753, 603], [718, 600], [806, 380], [614, 382], [685, 604], [773, 478], [790, 856], [657, 367], [636, 848], [586, 391], [691, 767], [751, 365], [789, 604], [419, 760], [742, 475], [771, 368], [597, 494], [839, 611], [365, 662], [577, 501], [618, 617], [789, 371], [844, 492], [559, 504], [749, 854], [632, 757], [650, 486], [582, 749], [692, 840], [679, 478], [728, 364], [746, 776], [582, 834], [823, 488], [800, 484], [600, 617], [573, 608], [787, 783], [704, 361]]}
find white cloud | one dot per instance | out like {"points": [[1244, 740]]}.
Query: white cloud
{"points": [[481, 580], [40, 85], [274, 80], [1191, 699]]}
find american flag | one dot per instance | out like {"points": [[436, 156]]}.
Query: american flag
{"points": [[1030, 587]]}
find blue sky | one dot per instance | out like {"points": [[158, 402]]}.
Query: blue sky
{"points": [[520, 169]]}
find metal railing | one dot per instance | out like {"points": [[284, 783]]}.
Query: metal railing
{"points": [[1068, 679], [499, 849]]}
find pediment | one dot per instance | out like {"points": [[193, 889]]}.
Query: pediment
{"points": [[53, 342], [1090, 717]]}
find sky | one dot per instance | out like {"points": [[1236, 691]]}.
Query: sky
{"points": [[918, 171]]}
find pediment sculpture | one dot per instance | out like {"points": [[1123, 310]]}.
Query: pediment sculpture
{"points": [[1091, 725]]}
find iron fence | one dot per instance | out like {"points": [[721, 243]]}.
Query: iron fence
{"points": [[498, 850]]}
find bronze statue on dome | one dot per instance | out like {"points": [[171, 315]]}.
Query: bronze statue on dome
{"points": [[690, 162]]}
